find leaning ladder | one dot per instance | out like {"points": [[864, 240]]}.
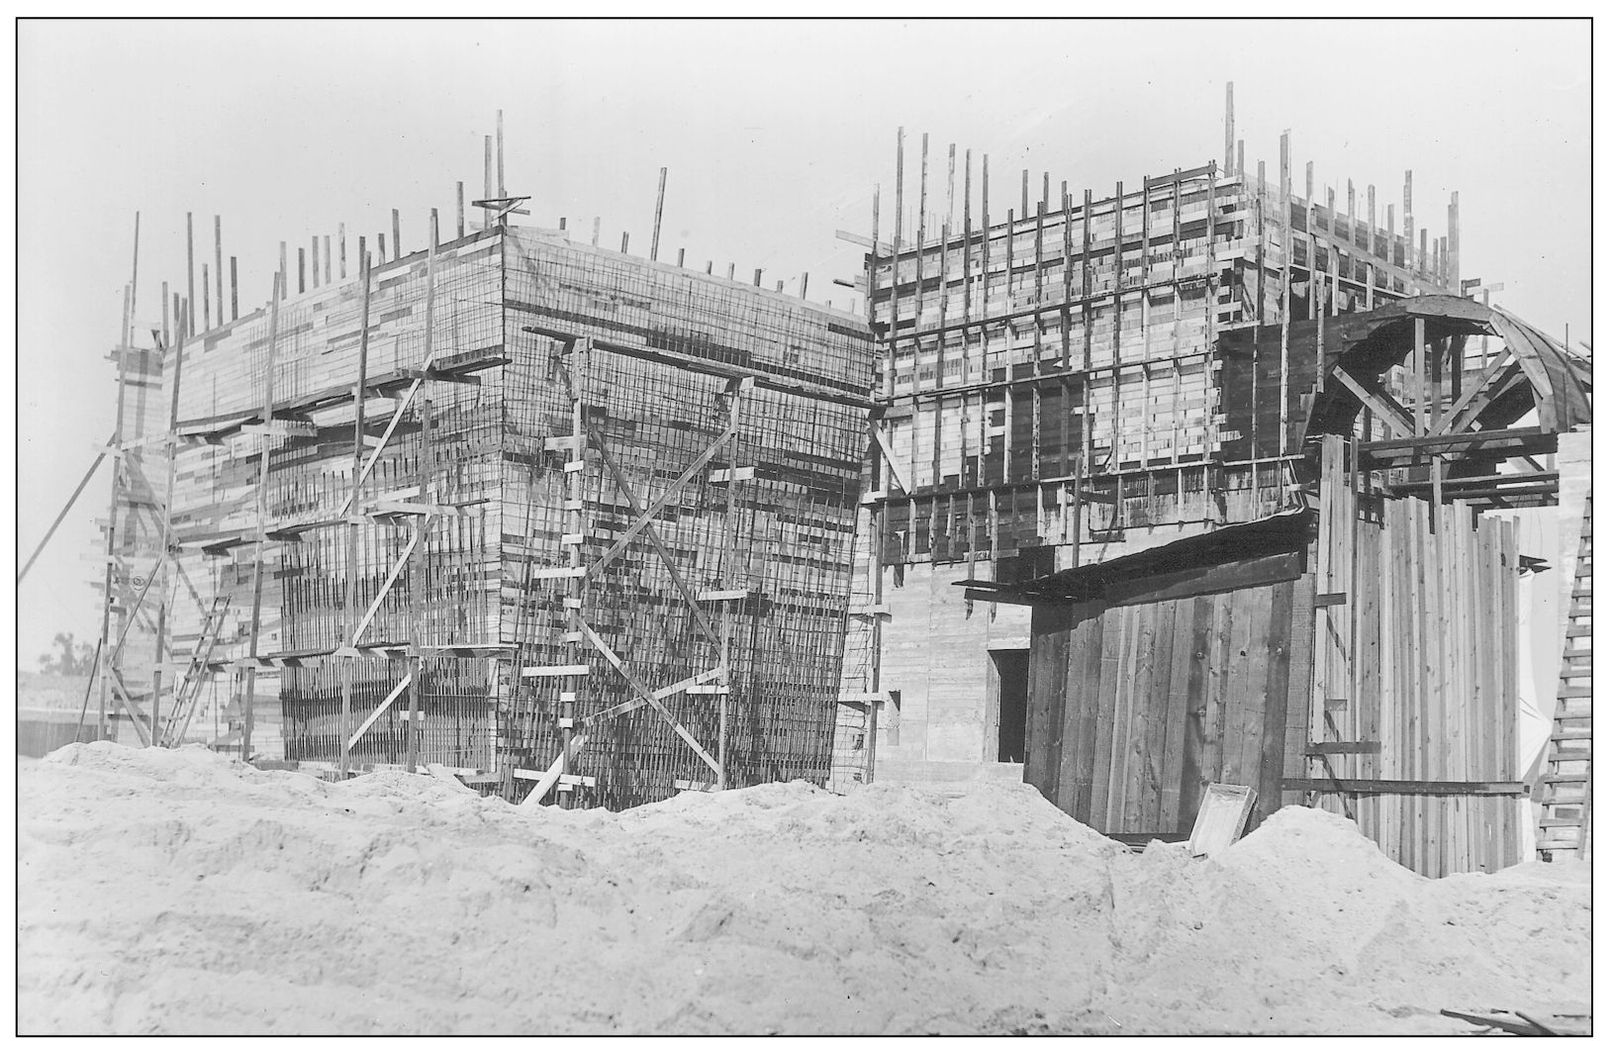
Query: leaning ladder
{"points": [[190, 687], [1566, 804]]}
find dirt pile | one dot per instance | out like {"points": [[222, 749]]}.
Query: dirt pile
{"points": [[178, 891]]}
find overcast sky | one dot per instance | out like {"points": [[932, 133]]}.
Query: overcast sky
{"points": [[774, 135]]}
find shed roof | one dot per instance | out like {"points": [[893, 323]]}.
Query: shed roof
{"points": [[1279, 533]]}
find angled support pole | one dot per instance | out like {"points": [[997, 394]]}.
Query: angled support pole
{"points": [[1378, 402]]}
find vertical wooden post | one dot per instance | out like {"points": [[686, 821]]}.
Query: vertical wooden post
{"points": [[235, 305], [341, 248], [417, 578], [108, 658], [655, 229], [326, 241], [397, 238], [1406, 218], [874, 736], [1420, 374], [487, 179], [313, 262], [164, 654], [459, 209], [254, 625], [1287, 264], [218, 267], [190, 272], [1454, 273], [498, 127], [302, 271], [1228, 133], [353, 601]]}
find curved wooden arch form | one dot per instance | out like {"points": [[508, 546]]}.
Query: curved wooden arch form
{"points": [[1465, 434]]}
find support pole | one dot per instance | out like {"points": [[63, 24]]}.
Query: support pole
{"points": [[218, 267], [95, 464], [655, 230], [1228, 134], [487, 178], [350, 594], [263, 510], [103, 729], [417, 578], [164, 559], [1287, 262]]}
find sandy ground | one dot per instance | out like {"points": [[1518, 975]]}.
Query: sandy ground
{"points": [[178, 891]]}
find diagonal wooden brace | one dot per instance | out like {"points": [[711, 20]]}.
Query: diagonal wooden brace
{"points": [[403, 685], [644, 518], [655, 540], [1378, 402], [665, 692], [647, 696], [375, 605]]}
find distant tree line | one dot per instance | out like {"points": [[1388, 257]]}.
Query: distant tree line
{"points": [[72, 658]]}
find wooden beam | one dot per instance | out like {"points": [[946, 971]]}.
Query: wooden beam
{"points": [[646, 695], [1378, 401], [1367, 786], [403, 684]]}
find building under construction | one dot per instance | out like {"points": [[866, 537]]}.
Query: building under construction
{"points": [[1097, 378], [579, 525], [586, 530]]}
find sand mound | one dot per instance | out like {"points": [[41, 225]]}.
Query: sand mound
{"points": [[178, 891]]}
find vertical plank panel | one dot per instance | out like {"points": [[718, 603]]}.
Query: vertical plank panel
{"points": [[1182, 670], [1217, 707], [1086, 677], [1275, 695], [1302, 623], [1196, 732], [1046, 697], [1122, 756], [1154, 716], [1105, 694], [1366, 655], [1506, 641], [1257, 664]]}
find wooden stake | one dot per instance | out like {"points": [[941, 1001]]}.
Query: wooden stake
{"points": [[190, 272], [459, 209], [487, 178], [655, 230], [218, 266], [499, 130], [397, 238], [1228, 134], [235, 306]]}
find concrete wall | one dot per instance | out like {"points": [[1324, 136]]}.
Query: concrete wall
{"points": [[937, 655]]}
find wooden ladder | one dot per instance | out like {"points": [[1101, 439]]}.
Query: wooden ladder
{"points": [[1566, 784], [190, 686]]}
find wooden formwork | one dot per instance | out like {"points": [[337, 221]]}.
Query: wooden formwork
{"points": [[597, 510]]}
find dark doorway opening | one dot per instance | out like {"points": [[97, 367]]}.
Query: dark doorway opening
{"points": [[1014, 669]]}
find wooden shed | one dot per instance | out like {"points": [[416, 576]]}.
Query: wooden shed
{"points": [[1158, 672], [1357, 655]]}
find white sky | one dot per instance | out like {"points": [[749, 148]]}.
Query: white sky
{"points": [[774, 135]]}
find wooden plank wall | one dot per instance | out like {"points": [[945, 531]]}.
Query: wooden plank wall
{"points": [[1422, 659], [1135, 707]]}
